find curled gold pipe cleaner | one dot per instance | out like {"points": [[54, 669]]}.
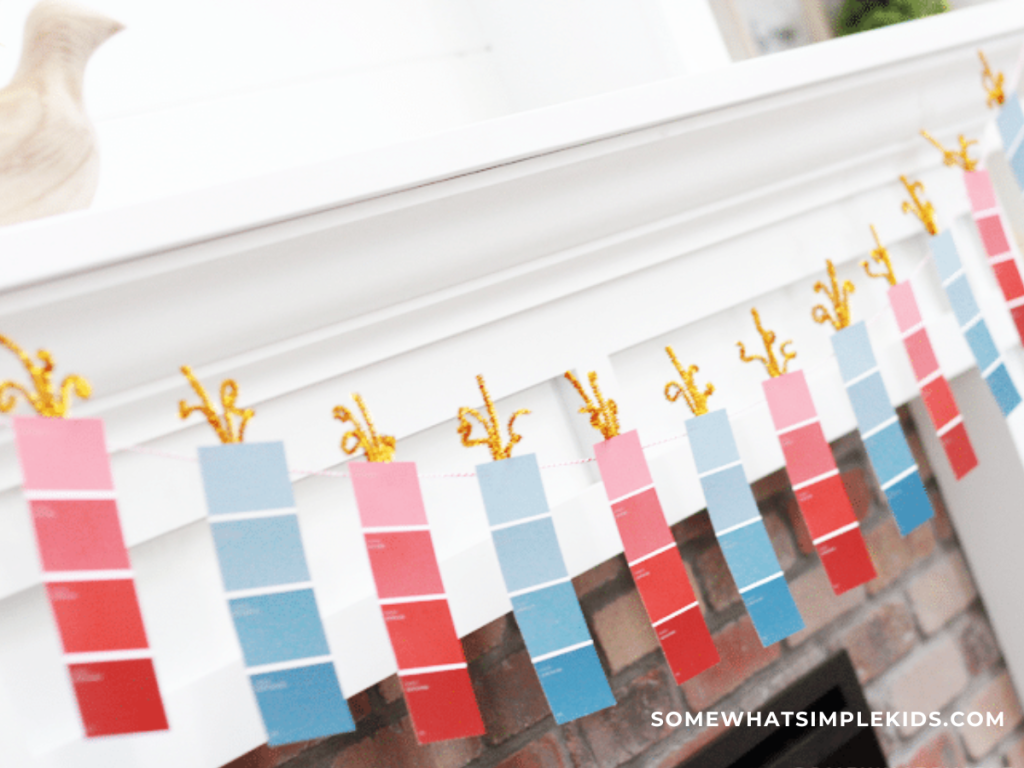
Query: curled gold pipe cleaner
{"points": [[923, 209], [493, 439], [881, 256], [839, 295], [378, 448], [44, 399], [992, 82], [771, 363], [228, 395], [604, 414], [690, 392], [961, 159]]}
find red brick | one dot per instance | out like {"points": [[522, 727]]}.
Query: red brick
{"points": [[510, 698], [580, 755], [998, 696], [1015, 754], [487, 638], [692, 746], [796, 522], [889, 553], [456, 753], [599, 575], [921, 541], [719, 588], [741, 656], [782, 539], [941, 751], [360, 705], [695, 583], [390, 688], [880, 639], [261, 757], [624, 631], [941, 592], [943, 525], [818, 604], [928, 681], [694, 527], [923, 467], [978, 645], [545, 752], [860, 491], [624, 731], [770, 485], [396, 745]]}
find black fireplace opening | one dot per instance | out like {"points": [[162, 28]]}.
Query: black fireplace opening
{"points": [[830, 688]]}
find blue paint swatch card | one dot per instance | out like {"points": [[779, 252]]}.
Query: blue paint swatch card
{"points": [[972, 324], [880, 429], [548, 613], [740, 530], [1011, 127], [263, 566]]}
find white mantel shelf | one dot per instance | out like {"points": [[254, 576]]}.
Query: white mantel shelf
{"points": [[585, 236]]}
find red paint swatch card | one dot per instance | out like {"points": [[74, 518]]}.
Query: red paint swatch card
{"points": [[992, 228], [815, 479], [88, 575], [653, 557], [431, 662], [935, 390]]}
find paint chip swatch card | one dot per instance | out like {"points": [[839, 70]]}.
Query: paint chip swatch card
{"points": [[88, 577], [543, 599], [935, 390], [653, 557], [263, 566], [1011, 128], [431, 664], [815, 479], [972, 324], [993, 230], [740, 530], [880, 429]]}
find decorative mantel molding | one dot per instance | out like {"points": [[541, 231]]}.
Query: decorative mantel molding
{"points": [[585, 234]]}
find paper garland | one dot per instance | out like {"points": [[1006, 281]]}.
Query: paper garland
{"points": [[653, 557], [935, 390], [815, 479], [263, 565], [971, 322], [740, 530], [992, 227], [431, 664], [88, 576], [880, 430], [543, 598]]}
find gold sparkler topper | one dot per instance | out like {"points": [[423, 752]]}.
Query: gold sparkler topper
{"points": [[881, 256], [379, 448], [839, 295], [688, 390], [923, 209], [228, 395], [45, 400], [992, 82], [604, 414], [771, 362], [493, 439], [962, 158]]}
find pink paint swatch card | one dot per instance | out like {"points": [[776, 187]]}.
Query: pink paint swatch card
{"points": [[431, 663], [935, 390], [815, 479], [87, 573], [653, 557], [992, 227]]}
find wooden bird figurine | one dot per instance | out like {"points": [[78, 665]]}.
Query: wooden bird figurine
{"points": [[48, 156]]}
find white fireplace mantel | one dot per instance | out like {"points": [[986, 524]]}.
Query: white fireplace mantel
{"points": [[586, 235]]}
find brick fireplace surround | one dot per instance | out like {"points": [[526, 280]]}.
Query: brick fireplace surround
{"points": [[918, 636]]}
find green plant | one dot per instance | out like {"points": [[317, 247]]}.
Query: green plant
{"points": [[862, 15]]}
